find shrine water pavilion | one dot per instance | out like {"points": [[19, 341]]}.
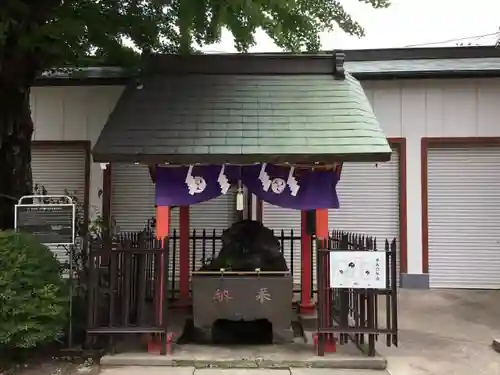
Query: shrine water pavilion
{"points": [[278, 126]]}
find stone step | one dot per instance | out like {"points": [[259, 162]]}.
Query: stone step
{"points": [[216, 357]]}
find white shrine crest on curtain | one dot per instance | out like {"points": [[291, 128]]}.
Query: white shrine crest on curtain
{"points": [[195, 184], [284, 186], [223, 180], [278, 184]]}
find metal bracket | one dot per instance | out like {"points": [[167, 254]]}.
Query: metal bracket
{"points": [[338, 64]]}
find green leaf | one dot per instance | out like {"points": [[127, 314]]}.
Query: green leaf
{"points": [[59, 33], [33, 297]]}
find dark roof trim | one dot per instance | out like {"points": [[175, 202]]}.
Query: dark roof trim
{"points": [[384, 54], [260, 64], [422, 53], [308, 63], [449, 62], [89, 81], [362, 76], [240, 159], [88, 76], [453, 74]]}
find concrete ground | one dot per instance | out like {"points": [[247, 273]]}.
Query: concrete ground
{"points": [[192, 371], [442, 332], [446, 332]]}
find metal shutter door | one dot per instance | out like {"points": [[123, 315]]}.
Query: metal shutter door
{"points": [[464, 217], [132, 197], [59, 168], [369, 201], [217, 214], [278, 219]]}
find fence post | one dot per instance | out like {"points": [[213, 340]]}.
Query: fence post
{"points": [[91, 288], [164, 246], [184, 254], [113, 271], [194, 239], [172, 243], [306, 303], [394, 291], [345, 242]]}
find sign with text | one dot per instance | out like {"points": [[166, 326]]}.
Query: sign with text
{"points": [[358, 269], [51, 223]]}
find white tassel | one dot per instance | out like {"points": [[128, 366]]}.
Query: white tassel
{"points": [[239, 200]]}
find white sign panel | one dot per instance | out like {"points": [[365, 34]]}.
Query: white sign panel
{"points": [[358, 269]]}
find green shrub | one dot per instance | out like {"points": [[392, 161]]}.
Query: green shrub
{"points": [[33, 299]]}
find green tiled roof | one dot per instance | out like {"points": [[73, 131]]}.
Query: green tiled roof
{"points": [[242, 119]]}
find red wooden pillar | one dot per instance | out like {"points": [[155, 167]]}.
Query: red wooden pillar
{"points": [[184, 255], [322, 230], [162, 229], [322, 236], [306, 303]]}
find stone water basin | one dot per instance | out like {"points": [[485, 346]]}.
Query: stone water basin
{"points": [[244, 296]]}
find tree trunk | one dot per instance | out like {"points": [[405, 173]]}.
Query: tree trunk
{"points": [[16, 130]]}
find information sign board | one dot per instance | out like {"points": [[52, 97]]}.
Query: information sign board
{"points": [[358, 269], [51, 223]]}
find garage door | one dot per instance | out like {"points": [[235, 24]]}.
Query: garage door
{"points": [[369, 200], [133, 205], [132, 197], [213, 216], [464, 217], [285, 222], [60, 168], [369, 204]]}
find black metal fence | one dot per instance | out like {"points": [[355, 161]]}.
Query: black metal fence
{"points": [[129, 293], [205, 245], [125, 283], [352, 314], [125, 293]]}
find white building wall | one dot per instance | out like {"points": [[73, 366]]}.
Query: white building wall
{"points": [[407, 108], [414, 109], [74, 113]]}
